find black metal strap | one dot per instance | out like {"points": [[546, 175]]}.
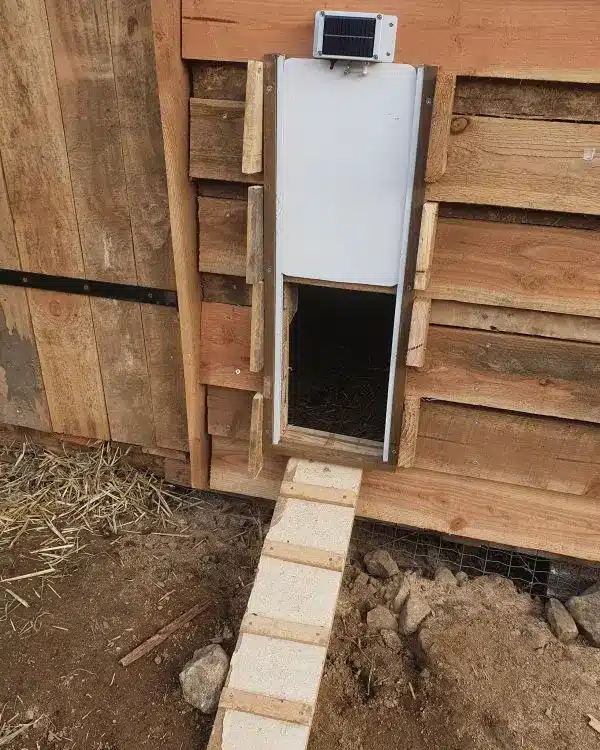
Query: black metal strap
{"points": [[90, 288]]}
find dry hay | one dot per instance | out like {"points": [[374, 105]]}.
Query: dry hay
{"points": [[52, 499]]}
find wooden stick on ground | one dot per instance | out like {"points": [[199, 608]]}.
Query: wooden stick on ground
{"points": [[155, 640]]}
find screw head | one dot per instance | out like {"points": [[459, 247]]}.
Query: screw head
{"points": [[391, 24], [388, 54], [86, 287], [375, 57], [379, 16], [319, 52], [429, 100], [322, 12], [237, 371], [25, 280]]}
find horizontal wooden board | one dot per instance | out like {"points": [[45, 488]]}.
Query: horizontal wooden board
{"points": [[222, 236], [219, 80], [232, 290], [509, 320], [229, 412], [518, 373], [495, 512], [524, 163], [514, 265], [463, 35], [216, 140], [225, 354]]}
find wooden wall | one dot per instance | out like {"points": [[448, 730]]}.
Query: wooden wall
{"points": [[83, 194]]}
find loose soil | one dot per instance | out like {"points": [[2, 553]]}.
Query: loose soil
{"points": [[485, 674]]}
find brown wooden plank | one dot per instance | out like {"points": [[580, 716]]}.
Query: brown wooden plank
{"points": [[462, 36], [523, 163], [130, 24], [254, 235], [226, 347], [257, 327], [547, 100], [232, 290], [122, 355], [9, 253], [253, 119], [475, 508], [216, 140], [218, 80], [229, 412], [519, 373], [513, 265], [33, 144], [437, 153], [255, 450], [509, 320], [427, 238], [173, 87], [222, 236], [419, 328], [407, 450], [69, 361], [165, 367], [88, 99], [22, 395]]}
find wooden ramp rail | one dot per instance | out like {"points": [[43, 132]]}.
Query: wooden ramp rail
{"points": [[271, 690]]}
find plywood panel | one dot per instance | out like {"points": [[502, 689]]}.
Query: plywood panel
{"points": [[33, 144], [222, 235], [523, 163], [165, 367], [130, 24], [69, 362], [519, 373], [122, 356], [88, 98], [514, 265], [226, 347], [461, 35], [22, 395]]}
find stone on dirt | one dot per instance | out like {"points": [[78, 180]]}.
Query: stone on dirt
{"points": [[413, 613], [462, 578], [585, 610], [380, 563], [203, 677], [391, 640], [445, 577], [380, 618], [401, 595], [561, 623]]}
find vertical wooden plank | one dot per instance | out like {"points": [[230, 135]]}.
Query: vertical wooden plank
{"points": [[86, 85], [67, 348], [254, 234], [443, 100], [426, 244], [121, 350], [22, 395], [253, 119], [163, 349], [33, 144], [255, 451], [410, 428], [419, 327], [257, 327], [174, 92], [130, 24], [9, 254]]}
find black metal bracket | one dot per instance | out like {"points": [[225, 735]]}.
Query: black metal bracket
{"points": [[89, 288]]}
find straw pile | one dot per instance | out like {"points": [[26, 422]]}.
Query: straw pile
{"points": [[52, 499]]}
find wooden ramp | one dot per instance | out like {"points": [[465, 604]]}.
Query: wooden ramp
{"points": [[271, 690]]}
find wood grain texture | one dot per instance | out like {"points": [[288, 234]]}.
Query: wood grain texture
{"points": [[219, 80], [513, 265], [419, 328], [9, 253], [135, 71], [173, 87], [427, 240], [229, 412], [254, 234], [255, 451], [257, 327], [226, 347], [32, 142], [22, 395], [518, 373], [69, 362], [523, 163], [253, 119], [495, 512], [122, 356], [88, 99], [437, 153], [509, 320], [461, 36], [407, 450], [222, 235], [216, 140], [232, 290]]}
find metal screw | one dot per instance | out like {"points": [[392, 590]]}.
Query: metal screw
{"points": [[375, 57], [269, 269], [25, 280], [391, 25], [86, 287], [388, 54], [429, 100], [237, 371], [379, 16], [409, 287], [319, 52], [322, 12], [150, 295]]}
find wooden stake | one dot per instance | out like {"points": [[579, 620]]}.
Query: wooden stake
{"points": [[255, 452], [410, 430], [443, 100], [426, 243], [257, 327], [254, 235], [253, 119], [419, 328]]}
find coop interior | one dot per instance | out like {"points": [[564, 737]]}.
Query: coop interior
{"points": [[299, 375]]}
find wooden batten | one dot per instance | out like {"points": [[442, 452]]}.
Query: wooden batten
{"points": [[254, 234], [410, 432], [427, 237], [255, 451], [419, 328], [222, 235], [252, 142], [437, 154]]}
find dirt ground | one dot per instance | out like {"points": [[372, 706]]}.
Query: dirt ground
{"points": [[486, 675]]}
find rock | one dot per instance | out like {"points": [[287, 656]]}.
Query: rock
{"points": [[391, 640], [413, 613], [538, 635], [445, 577], [380, 563], [203, 677], [585, 610], [401, 595], [375, 583], [461, 578], [157, 660], [361, 580], [380, 618], [561, 623]]}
